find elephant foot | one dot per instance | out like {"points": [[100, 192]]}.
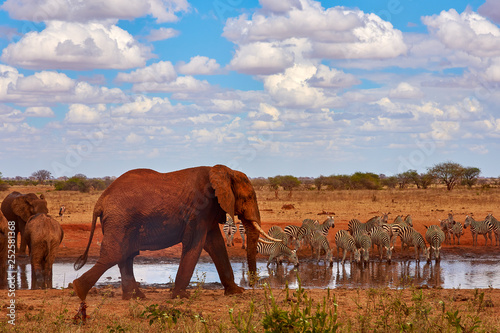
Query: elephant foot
{"points": [[180, 293], [136, 293], [233, 290]]}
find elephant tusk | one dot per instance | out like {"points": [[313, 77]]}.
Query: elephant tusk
{"points": [[257, 226], [264, 241]]}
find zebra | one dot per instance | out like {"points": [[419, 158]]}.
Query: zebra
{"points": [[278, 233], [479, 228], [295, 233], [381, 238], [396, 227], [435, 237], [354, 226], [413, 238], [446, 226], [496, 227], [277, 250], [456, 230], [319, 242], [243, 232], [229, 229], [345, 241], [363, 243], [326, 225]]}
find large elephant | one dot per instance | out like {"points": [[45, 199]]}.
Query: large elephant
{"points": [[147, 210], [43, 235], [20, 207]]}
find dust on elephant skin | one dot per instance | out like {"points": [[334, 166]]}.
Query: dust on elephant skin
{"points": [[147, 210]]}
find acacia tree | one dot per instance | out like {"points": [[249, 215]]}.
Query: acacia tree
{"points": [[449, 173], [470, 176], [41, 175], [287, 182]]}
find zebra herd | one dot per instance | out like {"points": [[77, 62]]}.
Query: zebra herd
{"points": [[361, 237]]}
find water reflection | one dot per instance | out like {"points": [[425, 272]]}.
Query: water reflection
{"points": [[459, 273]]}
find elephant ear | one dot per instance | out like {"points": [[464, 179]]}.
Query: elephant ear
{"points": [[220, 178], [21, 208]]}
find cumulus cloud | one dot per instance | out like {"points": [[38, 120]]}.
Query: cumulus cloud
{"points": [[141, 105], [180, 84], [77, 46], [162, 71], [43, 82], [39, 111], [468, 32], [162, 34], [134, 139], [327, 77], [84, 114], [198, 65], [90, 10], [334, 33], [405, 90]]}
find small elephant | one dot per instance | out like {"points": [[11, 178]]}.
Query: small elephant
{"points": [[19, 208], [4, 242], [43, 235], [147, 210]]}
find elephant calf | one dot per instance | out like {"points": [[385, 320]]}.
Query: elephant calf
{"points": [[43, 236]]}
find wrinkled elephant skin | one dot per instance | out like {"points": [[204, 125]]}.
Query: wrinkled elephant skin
{"points": [[147, 210]]}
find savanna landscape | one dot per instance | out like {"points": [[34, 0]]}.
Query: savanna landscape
{"points": [[410, 309]]}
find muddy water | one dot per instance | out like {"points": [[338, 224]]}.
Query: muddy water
{"points": [[459, 272]]}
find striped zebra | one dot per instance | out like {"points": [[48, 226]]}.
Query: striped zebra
{"points": [[435, 237], [277, 250], [446, 226], [397, 226], [382, 240], [354, 226], [456, 230], [413, 238], [295, 233], [278, 233], [320, 243], [229, 229], [243, 232], [363, 243], [496, 227], [345, 241], [324, 227], [479, 228]]}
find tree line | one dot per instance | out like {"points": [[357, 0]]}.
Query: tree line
{"points": [[448, 173]]}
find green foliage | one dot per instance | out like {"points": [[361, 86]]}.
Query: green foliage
{"points": [[470, 176], [288, 182], [302, 316], [449, 173], [83, 184]]}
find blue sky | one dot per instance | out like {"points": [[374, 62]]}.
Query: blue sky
{"points": [[267, 87]]}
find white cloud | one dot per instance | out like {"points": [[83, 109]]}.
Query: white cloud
{"points": [[77, 46], [44, 82], [468, 32], [180, 84], [227, 105], [198, 65], [261, 58], [405, 90], [327, 77], [91, 10], [159, 72], [39, 111], [334, 33], [279, 6], [84, 114], [162, 34], [141, 105], [134, 139]]}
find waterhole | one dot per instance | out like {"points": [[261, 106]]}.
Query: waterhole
{"points": [[459, 272]]}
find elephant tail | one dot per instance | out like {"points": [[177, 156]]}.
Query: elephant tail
{"points": [[83, 258]]}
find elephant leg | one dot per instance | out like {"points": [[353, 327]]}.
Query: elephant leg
{"points": [[192, 244], [214, 245], [130, 286], [83, 284]]}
